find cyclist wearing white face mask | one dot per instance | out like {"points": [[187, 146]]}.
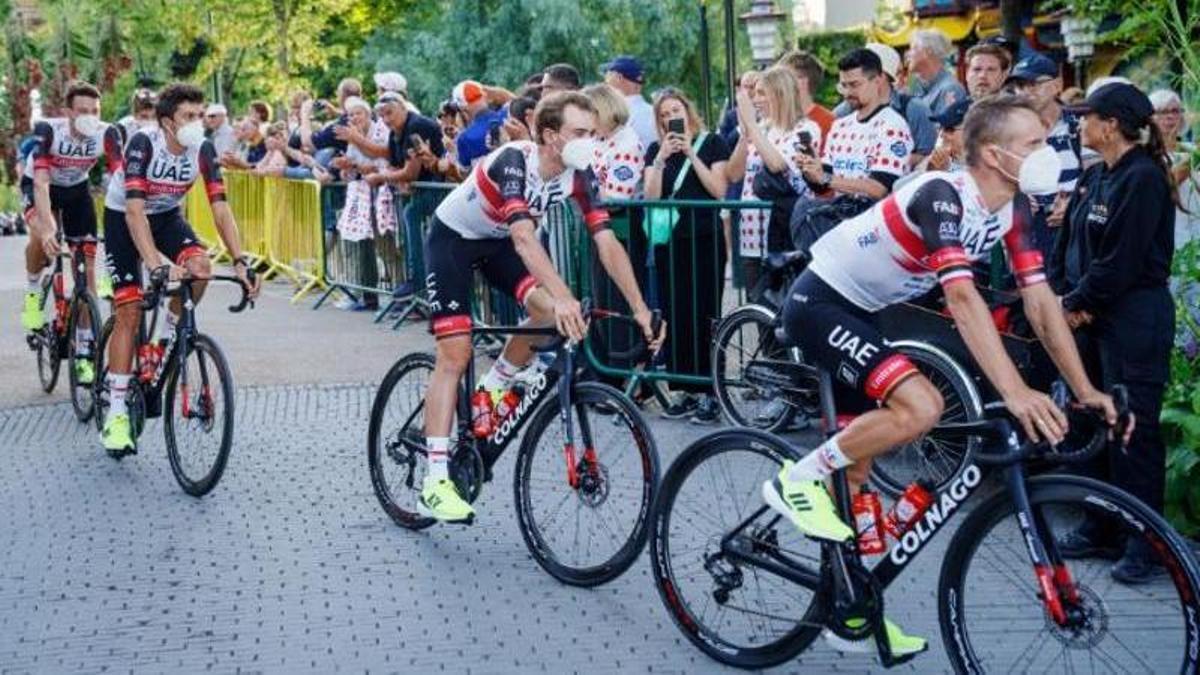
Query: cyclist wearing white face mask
{"points": [[56, 181], [926, 233], [489, 222], [143, 215]]}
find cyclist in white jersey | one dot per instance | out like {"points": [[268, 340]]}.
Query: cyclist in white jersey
{"points": [[489, 222], [143, 216], [927, 233], [55, 180]]}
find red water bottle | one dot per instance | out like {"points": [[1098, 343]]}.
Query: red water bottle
{"points": [[506, 405], [910, 506], [868, 521], [481, 413], [149, 355]]}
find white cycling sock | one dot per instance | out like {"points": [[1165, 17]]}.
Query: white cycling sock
{"points": [[500, 376], [439, 457], [118, 386], [83, 339], [820, 463], [33, 283]]}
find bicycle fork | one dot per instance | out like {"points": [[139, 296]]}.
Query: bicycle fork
{"points": [[1056, 586], [564, 416]]}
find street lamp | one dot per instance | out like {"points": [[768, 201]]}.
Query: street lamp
{"points": [[762, 26], [1079, 34]]}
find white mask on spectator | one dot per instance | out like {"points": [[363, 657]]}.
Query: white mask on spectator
{"points": [[88, 125], [577, 153], [191, 135], [1039, 171]]}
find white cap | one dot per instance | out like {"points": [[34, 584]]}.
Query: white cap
{"points": [[215, 109], [391, 81], [889, 57]]}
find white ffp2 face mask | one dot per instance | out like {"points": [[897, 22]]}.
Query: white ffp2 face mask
{"points": [[87, 125], [577, 153], [191, 135], [1039, 171]]}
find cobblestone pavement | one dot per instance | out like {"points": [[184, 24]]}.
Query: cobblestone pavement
{"points": [[290, 565]]}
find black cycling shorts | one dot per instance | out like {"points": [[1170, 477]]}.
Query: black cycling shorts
{"points": [[74, 204], [450, 259], [844, 339], [172, 236]]}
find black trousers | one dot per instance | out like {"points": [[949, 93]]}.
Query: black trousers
{"points": [[1131, 345]]}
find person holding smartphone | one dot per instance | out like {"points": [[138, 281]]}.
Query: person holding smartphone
{"points": [[687, 163]]}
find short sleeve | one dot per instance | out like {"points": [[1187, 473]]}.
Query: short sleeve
{"points": [[586, 194], [43, 135], [936, 211], [137, 162], [210, 172], [432, 134], [112, 149], [1025, 259], [507, 172]]}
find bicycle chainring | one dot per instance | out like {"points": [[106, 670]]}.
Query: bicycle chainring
{"points": [[467, 471], [855, 619]]}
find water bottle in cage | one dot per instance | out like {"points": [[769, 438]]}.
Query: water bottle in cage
{"points": [[868, 522], [910, 506]]}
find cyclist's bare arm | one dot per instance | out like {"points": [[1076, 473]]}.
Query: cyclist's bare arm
{"points": [[45, 227], [567, 311], [1045, 314], [1037, 413]]}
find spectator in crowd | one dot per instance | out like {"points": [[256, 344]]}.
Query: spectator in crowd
{"points": [[260, 111], [1011, 49], [619, 154], [1072, 96], [518, 126], [987, 68], [914, 111], [142, 114], [296, 100], [811, 76], [275, 161], [950, 154], [730, 132], [391, 81], [688, 270], [251, 145], [625, 74], [932, 82], [451, 122], [482, 133], [1037, 77], [560, 77], [216, 122], [324, 144], [869, 149], [784, 135], [1118, 300], [1169, 118]]}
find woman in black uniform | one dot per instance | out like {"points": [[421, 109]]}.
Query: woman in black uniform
{"points": [[1116, 259]]}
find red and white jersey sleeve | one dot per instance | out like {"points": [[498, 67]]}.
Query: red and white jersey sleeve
{"points": [[618, 163]]}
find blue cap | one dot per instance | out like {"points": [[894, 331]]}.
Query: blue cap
{"points": [[952, 117], [1033, 68], [629, 68]]}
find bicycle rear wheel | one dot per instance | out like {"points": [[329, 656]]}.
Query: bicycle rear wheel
{"points": [[930, 458], [47, 348], [198, 416], [82, 399], [990, 603], [588, 533], [737, 614], [744, 346], [396, 453]]}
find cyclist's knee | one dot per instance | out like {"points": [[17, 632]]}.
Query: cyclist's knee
{"points": [[199, 266], [127, 315], [539, 306], [917, 405], [454, 354]]}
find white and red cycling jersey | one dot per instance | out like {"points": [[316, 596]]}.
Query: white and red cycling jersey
{"points": [[69, 158], [930, 231], [162, 178], [506, 187]]}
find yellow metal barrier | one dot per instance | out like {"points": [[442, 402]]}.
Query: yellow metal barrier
{"points": [[279, 223]]}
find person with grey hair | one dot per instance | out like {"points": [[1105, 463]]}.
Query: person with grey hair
{"points": [[931, 82], [1169, 117]]}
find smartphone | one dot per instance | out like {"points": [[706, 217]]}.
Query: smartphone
{"points": [[806, 144], [675, 126], [494, 136], [414, 142]]}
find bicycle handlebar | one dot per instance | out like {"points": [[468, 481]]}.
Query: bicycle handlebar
{"points": [[589, 312], [161, 276]]}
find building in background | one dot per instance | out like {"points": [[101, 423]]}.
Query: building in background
{"points": [[824, 15]]}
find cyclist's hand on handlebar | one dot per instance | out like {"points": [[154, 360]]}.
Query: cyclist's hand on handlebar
{"points": [[1041, 419], [175, 272], [1098, 400], [568, 318], [252, 284], [645, 321], [50, 245]]}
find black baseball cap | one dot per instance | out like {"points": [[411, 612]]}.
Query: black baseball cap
{"points": [[952, 117], [1003, 43], [1119, 101]]}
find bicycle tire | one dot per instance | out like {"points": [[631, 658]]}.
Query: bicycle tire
{"points": [[607, 405], [939, 462], [82, 399], [729, 399], [201, 347], [770, 653], [100, 388], [402, 515], [965, 547], [48, 352]]}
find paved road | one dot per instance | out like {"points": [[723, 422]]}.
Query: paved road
{"points": [[290, 565]]}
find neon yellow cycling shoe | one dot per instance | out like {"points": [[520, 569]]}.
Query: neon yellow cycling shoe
{"points": [[807, 504], [32, 317], [104, 287], [85, 373], [440, 500], [118, 436], [902, 645]]}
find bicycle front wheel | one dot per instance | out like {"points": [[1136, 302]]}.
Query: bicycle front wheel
{"points": [[736, 613], [83, 311], [198, 416], [48, 347], [990, 600], [584, 510]]}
